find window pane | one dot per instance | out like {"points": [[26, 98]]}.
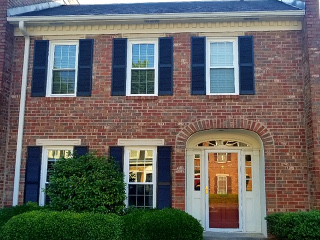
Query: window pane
{"points": [[141, 167], [142, 55], [64, 56], [141, 196], [63, 82], [142, 81], [222, 80], [221, 54]]}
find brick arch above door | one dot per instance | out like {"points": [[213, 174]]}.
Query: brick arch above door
{"points": [[210, 124]]}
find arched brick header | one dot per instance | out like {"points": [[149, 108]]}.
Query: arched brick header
{"points": [[207, 124]]}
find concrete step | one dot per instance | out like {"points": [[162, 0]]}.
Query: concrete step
{"points": [[243, 236]]}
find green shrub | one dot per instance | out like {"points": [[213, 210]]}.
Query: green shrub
{"points": [[51, 225], [295, 225], [88, 183], [7, 213], [161, 224], [223, 198]]}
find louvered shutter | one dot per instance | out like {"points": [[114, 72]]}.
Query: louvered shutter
{"points": [[164, 177], [246, 65], [81, 150], [215, 185], [229, 184], [84, 84], [165, 78], [198, 66], [40, 66], [32, 175], [119, 67], [117, 153]]}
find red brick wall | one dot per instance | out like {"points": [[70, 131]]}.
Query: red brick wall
{"points": [[312, 97], [275, 112], [6, 54]]}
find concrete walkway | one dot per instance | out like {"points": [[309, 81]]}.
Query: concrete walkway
{"points": [[231, 236]]}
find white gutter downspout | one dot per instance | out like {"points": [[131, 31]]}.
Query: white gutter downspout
{"points": [[21, 113]]}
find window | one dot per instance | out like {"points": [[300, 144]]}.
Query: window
{"points": [[142, 71], [62, 71], [222, 184], [222, 66], [197, 172], [222, 71], [140, 175], [49, 157]]}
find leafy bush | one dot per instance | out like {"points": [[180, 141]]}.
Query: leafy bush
{"points": [[295, 225], [161, 224], [7, 213], [51, 225], [88, 183]]}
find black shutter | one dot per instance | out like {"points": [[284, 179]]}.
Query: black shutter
{"points": [[117, 153], [229, 185], [164, 177], [165, 86], [85, 67], [119, 67], [198, 65], [215, 185], [246, 65], [40, 66], [32, 179], [81, 150]]}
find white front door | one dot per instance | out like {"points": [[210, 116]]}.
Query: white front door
{"points": [[223, 189]]}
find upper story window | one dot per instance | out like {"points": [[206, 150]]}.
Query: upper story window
{"points": [[222, 67], [62, 68], [142, 67], [142, 73], [62, 74]]}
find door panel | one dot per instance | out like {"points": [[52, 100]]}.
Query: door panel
{"points": [[223, 186]]}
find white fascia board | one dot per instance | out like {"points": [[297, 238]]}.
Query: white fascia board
{"points": [[166, 16]]}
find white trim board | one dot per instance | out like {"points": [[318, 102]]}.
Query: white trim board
{"points": [[140, 142], [58, 142]]}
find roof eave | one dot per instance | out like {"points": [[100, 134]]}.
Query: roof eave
{"points": [[172, 17]]}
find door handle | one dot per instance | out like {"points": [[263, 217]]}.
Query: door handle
{"points": [[207, 189]]}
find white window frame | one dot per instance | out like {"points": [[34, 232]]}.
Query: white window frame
{"points": [[129, 65], [235, 64], [154, 172], [44, 169], [50, 67]]}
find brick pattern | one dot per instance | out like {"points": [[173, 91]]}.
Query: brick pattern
{"points": [[6, 55], [275, 113], [311, 59]]}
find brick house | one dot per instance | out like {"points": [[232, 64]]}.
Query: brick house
{"points": [[209, 107], [6, 60]]}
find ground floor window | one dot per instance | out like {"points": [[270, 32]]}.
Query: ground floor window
{"points": [[49, 156], [140, 175]]}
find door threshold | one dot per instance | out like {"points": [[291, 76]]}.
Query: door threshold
{"points": [[209, 235]]}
